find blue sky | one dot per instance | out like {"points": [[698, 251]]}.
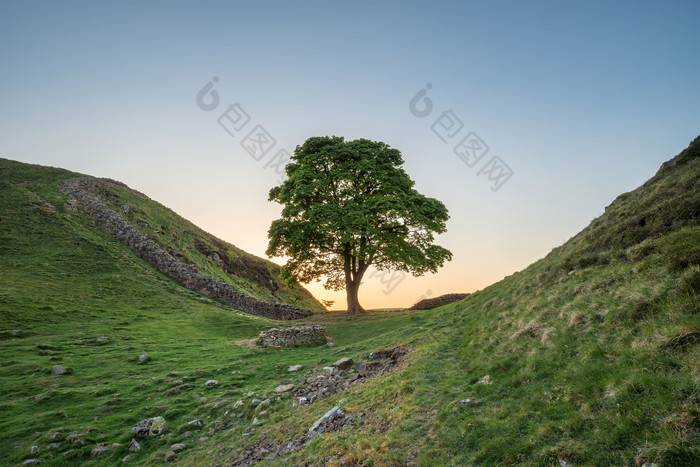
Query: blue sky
{"points": [[581, 100]]}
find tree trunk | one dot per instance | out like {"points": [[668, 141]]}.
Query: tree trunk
{"points": [[354, 306], [353, 279]]}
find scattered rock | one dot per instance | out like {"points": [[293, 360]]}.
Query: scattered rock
{"points": [[187, 434], [325, 423], [295, 368], [102, 340], [195, 423], [134, 446], [255, 402], [68, 453], [52, 446], [256, 421], [238, 404], [33, 449], [143, 358], [33, 462], [334, 380], [178, 447], [99, 449], [59, 370], [343, 363], [486, 379], [150, 426], [76, 438], [169, 456], [126, 459], [284, 388], [159, 426], [211, 382], [468, 402]]}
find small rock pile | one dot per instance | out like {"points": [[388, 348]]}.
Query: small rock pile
{"points": [[344, 373]]}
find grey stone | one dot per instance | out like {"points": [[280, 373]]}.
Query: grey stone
{"points": [[178, 447], [59, 370], [195, 423], [284, 388], [33, 462], [187, 434], [211, 382], [255, 402], [343, 363], [150, 426], [126, 459], [134, 446], [335, 412], [295, 368], [33, 449], [99, 449], [102, 340], [486, 379], [169, 456], [143, 357]]}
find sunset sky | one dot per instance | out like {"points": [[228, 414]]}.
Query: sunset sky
{"points": [[576, 102]]}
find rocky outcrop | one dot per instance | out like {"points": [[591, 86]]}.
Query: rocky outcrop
{"points": [[446, 299], [186, 274], [290, 337]]}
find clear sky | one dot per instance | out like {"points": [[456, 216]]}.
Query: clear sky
{"points": [[581, 101]]}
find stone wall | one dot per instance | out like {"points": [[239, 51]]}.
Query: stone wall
{"points": [[290, 337], [186, 274], [446, 299]]}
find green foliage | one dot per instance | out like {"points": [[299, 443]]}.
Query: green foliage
{"points": [[350, 205]]}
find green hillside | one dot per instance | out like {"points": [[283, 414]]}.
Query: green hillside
{"points": [[589, 356]]}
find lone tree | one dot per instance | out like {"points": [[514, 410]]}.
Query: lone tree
{"points": [[349, 205]]}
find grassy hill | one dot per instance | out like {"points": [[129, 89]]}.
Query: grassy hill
{"points": [[589, 356]]}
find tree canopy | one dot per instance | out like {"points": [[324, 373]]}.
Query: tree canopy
{"points": [[349, 205]]}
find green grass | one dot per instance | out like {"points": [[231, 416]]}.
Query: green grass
{"points": [[592, 352]]}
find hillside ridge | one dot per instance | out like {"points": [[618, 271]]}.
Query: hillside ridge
{"points": [[186, 274]]}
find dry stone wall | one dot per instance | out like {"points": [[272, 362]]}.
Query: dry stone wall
{"points": [[446, 299], [290, 337], [187, 274]]}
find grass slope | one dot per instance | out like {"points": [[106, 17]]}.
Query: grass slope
{"points": [[591, 352]]}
